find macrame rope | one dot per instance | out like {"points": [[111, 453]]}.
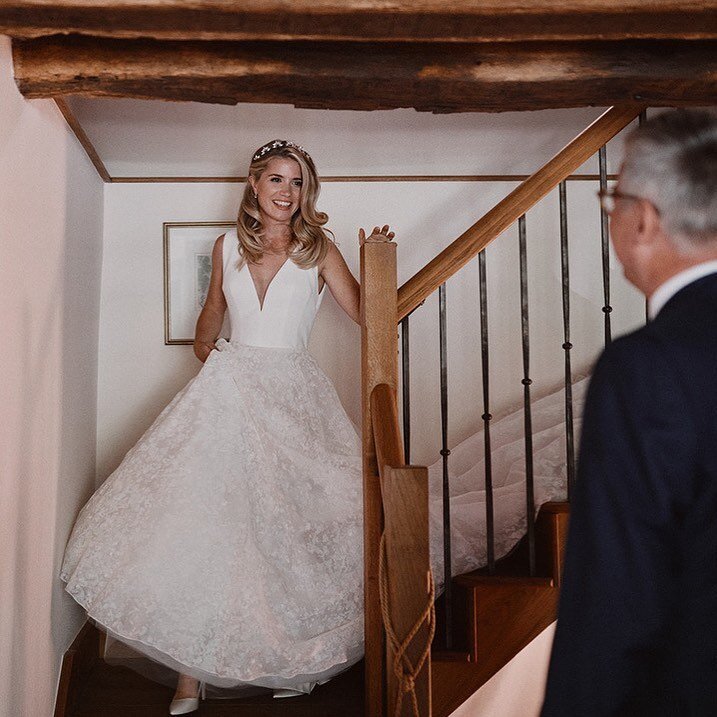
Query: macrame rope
{"points": [[403, 668]]}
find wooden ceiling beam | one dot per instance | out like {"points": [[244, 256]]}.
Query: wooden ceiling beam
{"points": [[365, 76], [364, 20]]}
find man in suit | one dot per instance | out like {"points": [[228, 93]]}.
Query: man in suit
{"points": [[637, 621]]}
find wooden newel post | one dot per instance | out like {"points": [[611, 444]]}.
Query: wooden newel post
{"points": [[379, 364], [410, 591]]}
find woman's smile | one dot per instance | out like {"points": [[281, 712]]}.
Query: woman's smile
{"points": [[278, 189]]}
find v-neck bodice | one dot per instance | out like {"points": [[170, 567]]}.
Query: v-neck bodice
{"points": [[291, 301]]}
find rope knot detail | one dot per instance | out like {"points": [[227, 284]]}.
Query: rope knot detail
{"points": [[404, 670]]}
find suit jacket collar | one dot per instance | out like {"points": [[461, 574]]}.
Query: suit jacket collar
{"points": [[676, 283]]}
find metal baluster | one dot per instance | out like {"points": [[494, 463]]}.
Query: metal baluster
{"points": [[565, 281], [528, 422], [605, 241], [406, 390], [444, 454], [487, 455]]}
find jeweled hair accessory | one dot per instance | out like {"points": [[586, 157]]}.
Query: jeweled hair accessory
{"points": [[278, 144]]}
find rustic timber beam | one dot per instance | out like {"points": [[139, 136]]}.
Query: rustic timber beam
{"points": [[368, 76], [368, 20]]}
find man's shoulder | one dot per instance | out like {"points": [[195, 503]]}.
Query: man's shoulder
{"points": [[637, 364], [686, 328], [692, 310], [674, 352], [643, 344]]}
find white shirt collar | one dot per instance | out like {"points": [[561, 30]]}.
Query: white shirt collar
{"points": [[666, 291]]}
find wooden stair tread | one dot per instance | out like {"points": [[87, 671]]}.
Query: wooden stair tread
{"points": [[476, 579], [555, 507], [452, 683]]}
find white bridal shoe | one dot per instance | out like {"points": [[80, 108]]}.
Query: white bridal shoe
{"points": [[185, 705]]}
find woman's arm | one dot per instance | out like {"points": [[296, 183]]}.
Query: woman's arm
{"points": [[209, 323], [341, 282]]}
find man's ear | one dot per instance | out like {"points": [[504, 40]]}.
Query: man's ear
{"points": [[649, 224]]}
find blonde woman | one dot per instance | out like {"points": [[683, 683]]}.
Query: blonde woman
{"points": [[227, 545]]}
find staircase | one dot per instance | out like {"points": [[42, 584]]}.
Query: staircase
{"points": [[494, 616]]}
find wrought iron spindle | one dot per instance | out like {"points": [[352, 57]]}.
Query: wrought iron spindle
{"points": [[567, 346], [487, 454], [605, 243], [444, 454], [528, 421], [406, 390]]}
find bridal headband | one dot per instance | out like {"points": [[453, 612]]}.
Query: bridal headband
{"points": [[278, 144]]}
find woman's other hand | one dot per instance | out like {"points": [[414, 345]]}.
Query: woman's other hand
{"points": [[202, 349], [383, 234]]}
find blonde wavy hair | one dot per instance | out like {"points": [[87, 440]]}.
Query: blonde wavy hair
{"points": [[310, 240]]}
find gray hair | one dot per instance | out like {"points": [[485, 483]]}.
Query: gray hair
{"points": [[671, 160]]}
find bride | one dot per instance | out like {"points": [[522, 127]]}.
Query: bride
{"points": [[227, 544]]}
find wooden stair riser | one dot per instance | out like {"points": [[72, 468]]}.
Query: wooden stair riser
{"points": [[503, 619], [551, 533]]}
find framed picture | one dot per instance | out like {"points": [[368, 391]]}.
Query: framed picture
{"points": [[187, 268]]}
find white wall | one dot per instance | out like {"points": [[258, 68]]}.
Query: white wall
{"points": [[159, 139], [138, 374], [50, 260]]}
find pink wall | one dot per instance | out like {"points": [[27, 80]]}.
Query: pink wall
{"points": [[50, 256], [518, 689]]}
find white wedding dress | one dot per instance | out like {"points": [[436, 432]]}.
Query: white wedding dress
{"points": [[228, 543]]}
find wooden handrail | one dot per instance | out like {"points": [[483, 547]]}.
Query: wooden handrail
{"points": [[517, 203], [386, 431]]}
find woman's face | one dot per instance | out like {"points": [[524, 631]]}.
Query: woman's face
{"points": [[278, 189]]}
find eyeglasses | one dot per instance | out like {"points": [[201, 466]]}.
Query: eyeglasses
{"points": [[608, 199]]}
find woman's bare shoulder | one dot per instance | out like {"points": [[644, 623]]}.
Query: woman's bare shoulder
{"points": [[333, 258]]}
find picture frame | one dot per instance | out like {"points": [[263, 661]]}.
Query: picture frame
{"points": [[187, 268]]}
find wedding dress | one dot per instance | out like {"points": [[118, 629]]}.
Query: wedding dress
{"points": [[228, 543]]}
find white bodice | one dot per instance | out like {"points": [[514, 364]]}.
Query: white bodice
{"points": [[290, 302]]}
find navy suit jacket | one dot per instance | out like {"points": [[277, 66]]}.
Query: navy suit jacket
{"points": [[637, 618]]}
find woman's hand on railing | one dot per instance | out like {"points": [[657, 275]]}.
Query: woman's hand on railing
{"points": [[377, 235]]}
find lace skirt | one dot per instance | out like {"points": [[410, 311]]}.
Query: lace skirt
{"points": [[228, 543]]}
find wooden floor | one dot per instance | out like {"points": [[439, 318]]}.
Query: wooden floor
{"points": [[111, 691]]}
